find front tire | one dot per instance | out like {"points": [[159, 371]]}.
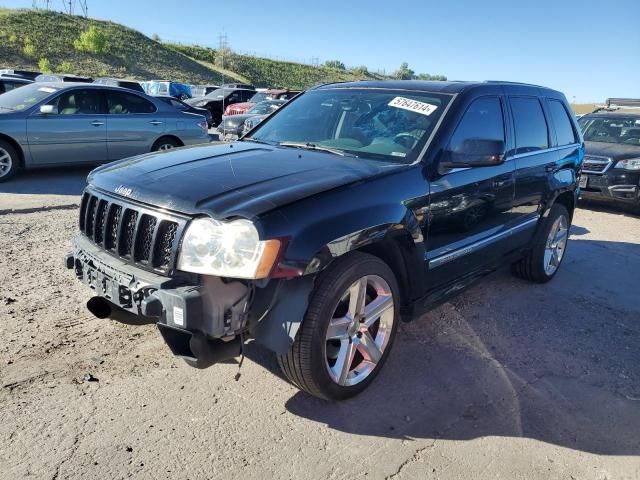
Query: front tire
{"points": [[9, 161], [348, 329], [548, 249]]}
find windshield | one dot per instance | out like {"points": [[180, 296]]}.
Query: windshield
{"points": [[265, 107], [22, 98], [260, 97], [369, 123], [610, 130]]}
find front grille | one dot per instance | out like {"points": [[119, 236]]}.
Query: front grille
{"points": [[144, 237], [596, 164]]}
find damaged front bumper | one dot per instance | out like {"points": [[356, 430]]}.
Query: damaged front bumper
{"points": [[203, 319]]}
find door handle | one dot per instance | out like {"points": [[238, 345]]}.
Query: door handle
{"points": [[96, 123], [156, 122]]}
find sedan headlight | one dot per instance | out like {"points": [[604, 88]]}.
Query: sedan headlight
{"points": [[227, 249], [629, 164]]}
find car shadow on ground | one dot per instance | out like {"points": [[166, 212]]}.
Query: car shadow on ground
{"points": [[50, 181], [553, 362], [615, 208]]}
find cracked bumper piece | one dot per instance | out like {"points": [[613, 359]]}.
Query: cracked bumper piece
{"points": [[199, 317]]}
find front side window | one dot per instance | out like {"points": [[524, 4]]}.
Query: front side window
{"points": [[483, 120], [121, 103], [564, 130], [530, 125], [78, 102], [369, 123], [614, 129]]}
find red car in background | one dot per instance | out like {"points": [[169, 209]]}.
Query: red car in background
{"points": [[272, 94]]}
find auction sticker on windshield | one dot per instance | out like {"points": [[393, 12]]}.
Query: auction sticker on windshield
{"points": [[413, 105]]}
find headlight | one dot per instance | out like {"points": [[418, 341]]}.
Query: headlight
{"points": [[629, 164], [227, 249]]}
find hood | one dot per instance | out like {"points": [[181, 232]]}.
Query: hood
{"points": [[234, 121], [617, 151], [227, 180]]}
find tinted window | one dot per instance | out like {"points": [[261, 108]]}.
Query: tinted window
{"points": [[120, 103], [482, 121], [78, 102], [10, 85], [562, 124], [530, 125]]}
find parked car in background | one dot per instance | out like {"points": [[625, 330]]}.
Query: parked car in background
{"points": [[202, 90], [55, 124], [9, 82], [217, 101], [611, 170], [119, 82], [157, 88], [26, 74], [231, 127], [240, 108], [315, 234], [63, 77], [182, 106]]}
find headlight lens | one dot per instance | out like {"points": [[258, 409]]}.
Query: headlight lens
{"points": [[629, 164], [226, 249]]}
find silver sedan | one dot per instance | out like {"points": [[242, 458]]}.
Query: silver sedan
{"points": [[55, 124]]}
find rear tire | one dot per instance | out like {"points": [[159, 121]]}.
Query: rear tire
{"points": [[9, 161], [165, 143], [548, 248], [348, 330]]}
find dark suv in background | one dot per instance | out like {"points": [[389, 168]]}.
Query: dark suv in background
{"points": [[353, 207], [219, 99], [611, 170]]}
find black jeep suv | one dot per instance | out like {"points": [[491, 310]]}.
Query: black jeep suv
{"points": [[351, 208], [612, 153]]}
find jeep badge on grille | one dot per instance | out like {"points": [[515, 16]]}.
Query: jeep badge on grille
{"points": [[124, 191]]}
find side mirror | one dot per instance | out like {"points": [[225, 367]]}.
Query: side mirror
{"points": [[46, 109], [474, 152]]}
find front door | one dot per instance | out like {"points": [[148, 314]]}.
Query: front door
{"points": [[74, 132], [470, 207]]}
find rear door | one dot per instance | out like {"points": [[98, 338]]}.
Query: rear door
{"points": [[75, 132], [133, 124], [471, 209]]}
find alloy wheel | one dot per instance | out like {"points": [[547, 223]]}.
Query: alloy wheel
{"points": [[5, 162], [359, 331], [556, 245]]}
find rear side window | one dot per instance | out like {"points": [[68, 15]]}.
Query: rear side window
{"points": [[530, 124], [120, 103], [482, 121], [561, 122]]}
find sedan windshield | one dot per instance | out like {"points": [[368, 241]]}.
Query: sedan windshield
{"points": [[370, 123], [624, 130], [22, 98]]}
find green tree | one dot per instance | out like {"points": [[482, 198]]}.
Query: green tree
{"points": [[337, 64], [92, 40], [404, 72], [65, 67], [44, 65], [361, 70], [428, 76]]}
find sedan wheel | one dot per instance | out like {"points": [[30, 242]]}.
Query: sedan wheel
{"points": [[5, 162], [9, 162]]}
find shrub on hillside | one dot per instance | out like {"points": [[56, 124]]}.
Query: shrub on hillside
{"points": [[65, 67], [44, 65], [337, 64], [29, 49], [93, 41]]}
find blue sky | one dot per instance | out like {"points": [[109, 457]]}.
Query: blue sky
{"points": [[589, 49]]}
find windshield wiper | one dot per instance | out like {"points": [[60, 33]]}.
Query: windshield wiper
{"points": [[8, 108], [250, 139], [314, 146]]}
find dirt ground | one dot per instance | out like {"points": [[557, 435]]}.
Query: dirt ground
{"points": [[510, 380]]}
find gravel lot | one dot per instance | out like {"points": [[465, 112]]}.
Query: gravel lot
{"points": [[510, 380]]}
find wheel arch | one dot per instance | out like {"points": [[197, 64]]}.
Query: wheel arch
{"points": [[167, 136]]}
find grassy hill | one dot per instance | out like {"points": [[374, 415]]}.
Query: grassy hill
{"points": [[29, 38]]}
